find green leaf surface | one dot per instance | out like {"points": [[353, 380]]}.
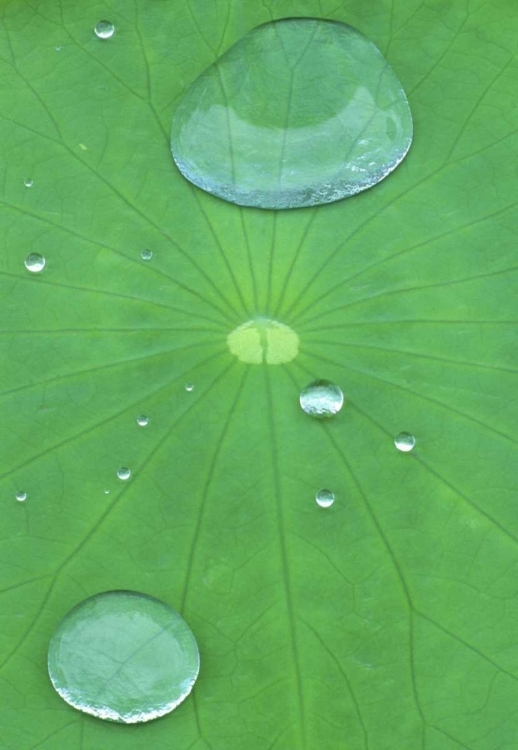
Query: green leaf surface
{"points": [[385, 622]]}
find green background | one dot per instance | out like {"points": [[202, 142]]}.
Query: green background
{"points": [[388, 621]]}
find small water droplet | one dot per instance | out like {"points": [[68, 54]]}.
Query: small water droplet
{"points": [[106, 492], [325, 498], [404, 442], [146, 254], [28, 182], [104, 29], [21, 496], [34, 262], [58, 49], [124, 473], [321, 399], [123, 656], [299, 112], [189, 387], [142, 420]]}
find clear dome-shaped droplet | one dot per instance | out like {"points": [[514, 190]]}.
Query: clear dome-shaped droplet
{"points": [[124, 473], [34, 262], [146, 254], [104, 29], [124, 657], [58, 49], [321, 399], [325, 498], [404, 442], [21, 496], [189, 387], [142, 420], [298, 112], [28, 182]]}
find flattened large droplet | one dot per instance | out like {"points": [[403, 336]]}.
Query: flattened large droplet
{"points": [[299, 112]]}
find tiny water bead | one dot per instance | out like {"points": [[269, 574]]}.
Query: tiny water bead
{"points": [[146, 254], [263, 340], [28, 182], [189, 387], [104, 29], [404, 442], [321, 399], [124, 473], [21, 496], [123, 656], [298, 112], [325, 498], [142, 420], [34, 262]]}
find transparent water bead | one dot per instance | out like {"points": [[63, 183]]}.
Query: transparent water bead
{"points": [[21, 496], [124, 473], [146, 254], [142, 420], [104, 29], [321, 399], [404, 442], [325, 498], [34, 262], [189, 387], [123, 656], [299, 112], [28, 182]]}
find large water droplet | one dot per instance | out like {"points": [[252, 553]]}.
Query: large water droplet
{"points": [[28, 182], [299, 112], [404, 442], [146, 254], [142, 420], [124, 657], [104, 29], [321, 399], [34, 262], [325, 498], [21, 496], [124, 473]]}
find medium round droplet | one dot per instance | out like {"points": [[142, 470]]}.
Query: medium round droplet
{"points": [[124, 473], [404, 442], [123, 656], [321, 399], [146, 254], [142, 420], [325, 498], [299, 112], [34, 262], [28, 182], [189, 387], [104, 29], [21, 496]]}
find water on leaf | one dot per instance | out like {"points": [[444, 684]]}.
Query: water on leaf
{"points": [[21, 496], [142, 420], [58, 49], [34, 262], [404, 442], [28, 182], [321, 399], [325, 498], [298, 112], [146, 254], [189, 387], [124, 473], [123, 656], [104, 29]]}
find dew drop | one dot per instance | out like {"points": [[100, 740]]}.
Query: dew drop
{"points": [[28, 182], [58, 49], [189, 387], [123, 656], [104, 29], [321, 399], [21, 496], [146, 254], [124, 473], [142, 420], [404, 442], [106, 492], [299, 112], [34, 262], [325, 498]]}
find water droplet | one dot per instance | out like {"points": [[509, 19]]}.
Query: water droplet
{"points": [[106, 492], [21, 496], [124, 473], [146, 254], [104, 29], [299, 112], [325, 498], [189, 387], [34, 262], [263, 340], [404, 442], [58, 49], [142, 420], [321, 399], [124, 657], [28, 182]]}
